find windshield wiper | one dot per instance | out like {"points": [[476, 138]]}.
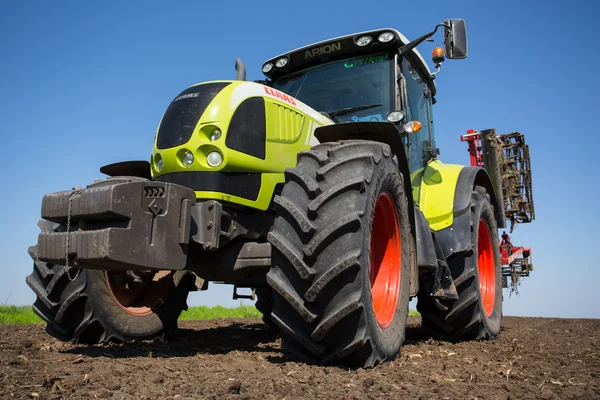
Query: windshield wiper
{"points": [[351, 109]]}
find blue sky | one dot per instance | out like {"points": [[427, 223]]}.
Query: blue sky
{"points": [[84, 84]]}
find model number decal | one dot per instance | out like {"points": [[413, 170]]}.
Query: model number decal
{"points": [[372, 59], [281, 96], [323, 50]]}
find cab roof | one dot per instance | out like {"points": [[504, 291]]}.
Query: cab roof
{"points": [[345, 46]]}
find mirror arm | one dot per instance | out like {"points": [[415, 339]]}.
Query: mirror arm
{"points": [[444, 25], [411, 45]]}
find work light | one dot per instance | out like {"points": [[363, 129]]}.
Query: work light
{"points": [[386, 37], [363, 41], [267, 68], [282, 62]]}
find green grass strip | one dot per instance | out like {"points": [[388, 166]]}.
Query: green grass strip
{"points": [[18, 315], [25, 315], [204, 312]]}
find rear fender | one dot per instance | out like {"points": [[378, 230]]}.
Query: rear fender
{"points": [[437, 188], [456, 237], [476, 176]]}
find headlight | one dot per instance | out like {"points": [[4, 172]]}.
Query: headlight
{"points": [[282, 62], [188, 159], [214, 159], [216, 135], [386, 37], [363, 41], [267, 68], [158, 162]]}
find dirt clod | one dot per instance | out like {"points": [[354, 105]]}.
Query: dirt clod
{"points": [[242, 359], [548, 395], [369, 382], [104, 394], [235, 387]]}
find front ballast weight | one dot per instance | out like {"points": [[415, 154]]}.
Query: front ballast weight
{"points": [[140, 225], [135, 225]]}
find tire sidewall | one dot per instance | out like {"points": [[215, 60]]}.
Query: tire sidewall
{"points": [[389, 339], [107, 310], [492, 323]]}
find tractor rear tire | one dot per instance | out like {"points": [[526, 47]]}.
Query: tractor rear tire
{"points": [[95, 306], [477, 274], [341, 255]]}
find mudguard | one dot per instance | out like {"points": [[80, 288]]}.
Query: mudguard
{"points": [[426, 257], [456, 237], [437, 187], [141, 169]]}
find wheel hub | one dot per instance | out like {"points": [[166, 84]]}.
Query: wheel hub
{"points": [[386, 260], [486, 267], [139, 296]]}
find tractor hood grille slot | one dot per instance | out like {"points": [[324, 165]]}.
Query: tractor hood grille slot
{"points": [[184, 112]]}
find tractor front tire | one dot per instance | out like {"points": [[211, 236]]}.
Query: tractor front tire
{"points": [[95, 306], [477, 274], [341, 255]]}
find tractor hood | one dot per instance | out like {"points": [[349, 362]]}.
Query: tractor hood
{"points": [[218, 136]]}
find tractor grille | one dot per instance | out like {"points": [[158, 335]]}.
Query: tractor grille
{"points": [[288, 124]]}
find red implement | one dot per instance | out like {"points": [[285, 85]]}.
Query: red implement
{"points": [[511, 155]]}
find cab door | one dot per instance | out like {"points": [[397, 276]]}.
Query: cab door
{"points": [[417, 107]]}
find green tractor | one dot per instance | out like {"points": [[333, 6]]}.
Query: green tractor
{"points": [[318, 188]]}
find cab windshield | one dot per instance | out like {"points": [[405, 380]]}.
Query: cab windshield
{"points": [[351, 90]]}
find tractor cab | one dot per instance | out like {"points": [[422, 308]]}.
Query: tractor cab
{"points": [[374, 76]]}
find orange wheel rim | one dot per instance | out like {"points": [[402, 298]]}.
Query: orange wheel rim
{"points": [[486, 267], [386, 260], [139, 298]]}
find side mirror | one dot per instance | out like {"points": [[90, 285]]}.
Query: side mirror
{"points": [[455, 38]]}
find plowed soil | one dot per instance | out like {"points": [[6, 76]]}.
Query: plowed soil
{"points": [[241, 359]]}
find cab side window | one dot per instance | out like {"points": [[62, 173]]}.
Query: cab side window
{"points": [[417, 106]]}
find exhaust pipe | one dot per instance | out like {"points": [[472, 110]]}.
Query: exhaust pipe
{"points": [[240, 70]]}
